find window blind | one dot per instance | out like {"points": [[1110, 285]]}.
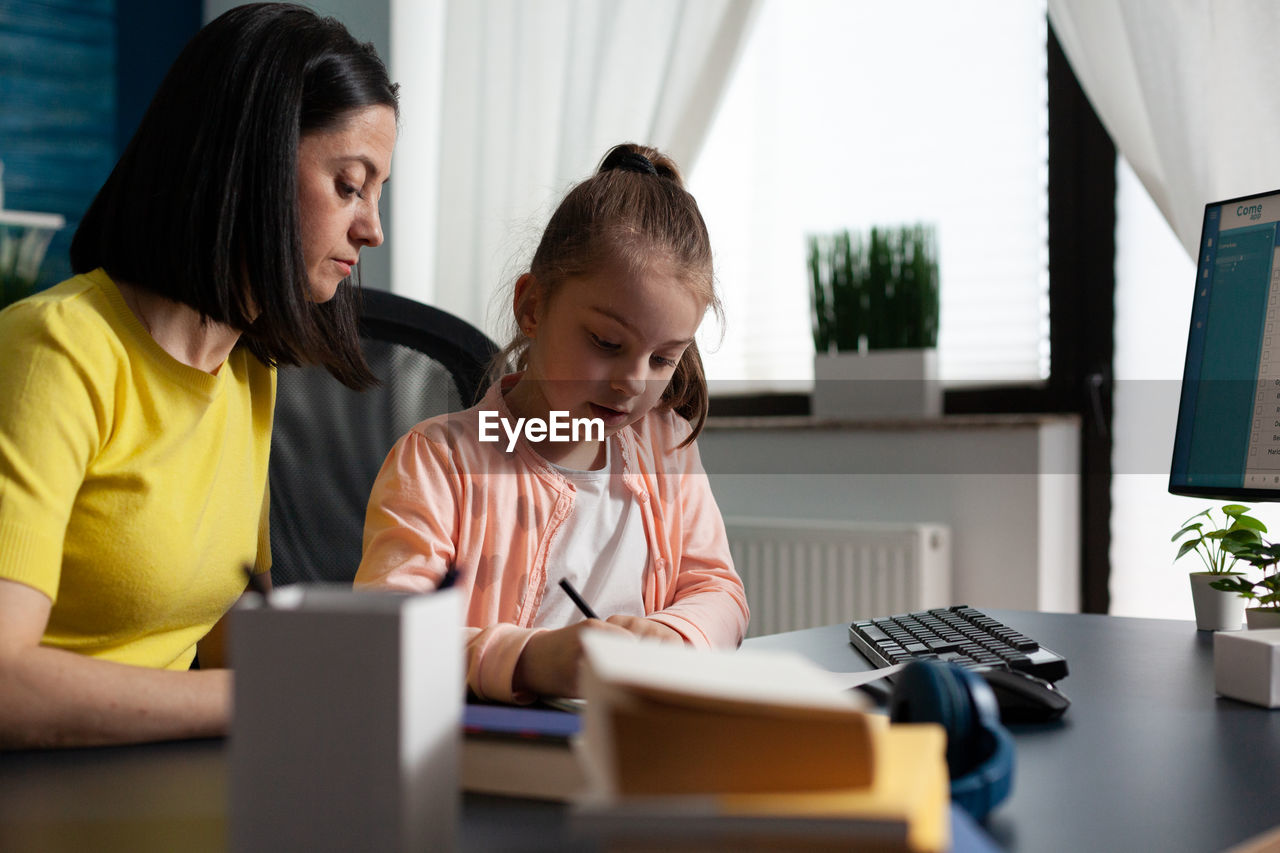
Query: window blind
{"points": [[851, 114]]}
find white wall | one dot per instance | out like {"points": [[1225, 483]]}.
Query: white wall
{"points": [[1009, 493]]}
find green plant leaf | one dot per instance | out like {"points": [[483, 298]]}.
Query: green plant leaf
{"points": [[876, 289], [1189, 545], [1240, 542], [1234, 509], [1184, 530], [1203, 512], [1257, 554], [1249, 522]]}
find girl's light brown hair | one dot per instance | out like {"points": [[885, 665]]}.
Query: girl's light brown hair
{"points": [[633, 211]]}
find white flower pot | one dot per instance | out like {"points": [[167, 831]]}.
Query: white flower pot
{"points": [[893, 383], [1215, 610], [1263, 617]]}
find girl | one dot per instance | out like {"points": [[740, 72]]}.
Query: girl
{"points": [[604, 332], [136, 398]]}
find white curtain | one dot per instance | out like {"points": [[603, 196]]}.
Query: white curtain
{"points": [[1189, 91], [531, 95]]}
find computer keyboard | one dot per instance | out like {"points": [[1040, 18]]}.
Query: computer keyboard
{"points": [[961, 634]]}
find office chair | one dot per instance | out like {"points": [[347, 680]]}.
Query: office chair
{"points": [[329, 441]]}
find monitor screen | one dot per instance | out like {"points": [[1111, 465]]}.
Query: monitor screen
{"points": [[1227, 443]]}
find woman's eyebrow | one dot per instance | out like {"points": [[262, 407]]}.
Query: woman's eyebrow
{"points": [[370, 169]]}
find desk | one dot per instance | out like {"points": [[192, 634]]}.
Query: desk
{"points": [[1147, 758]]}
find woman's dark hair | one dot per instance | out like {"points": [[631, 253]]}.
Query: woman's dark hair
{"points": [[202, 207], [634, 211]]}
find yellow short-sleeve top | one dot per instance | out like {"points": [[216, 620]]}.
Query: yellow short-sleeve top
{"points": [[133, 488]]}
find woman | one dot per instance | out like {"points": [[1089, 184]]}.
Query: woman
{"points": [[136, 398]]}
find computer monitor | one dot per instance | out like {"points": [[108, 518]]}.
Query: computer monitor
{"points": [[1227, 443]]}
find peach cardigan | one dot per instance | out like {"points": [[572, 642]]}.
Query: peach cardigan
{"points": [[443, 498]]}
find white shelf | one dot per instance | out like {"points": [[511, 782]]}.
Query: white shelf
{"points": [[28, 219]]}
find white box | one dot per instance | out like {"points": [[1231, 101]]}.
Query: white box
{"points": [[890, 383], [347, 721], [1246, 666]]}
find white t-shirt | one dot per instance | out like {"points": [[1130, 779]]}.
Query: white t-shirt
{"points": [[601, 548]]}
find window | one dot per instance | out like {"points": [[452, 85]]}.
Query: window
{"points": [[1154, 288], [851, 114]]}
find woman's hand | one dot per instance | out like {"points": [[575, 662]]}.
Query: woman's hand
{"points": [[648, 628], [550, 662], [53, 697]]}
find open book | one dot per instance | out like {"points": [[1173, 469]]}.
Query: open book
{"points": [[726, 750]]}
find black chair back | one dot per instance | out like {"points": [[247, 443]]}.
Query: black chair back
{"points": [[329, 441]]}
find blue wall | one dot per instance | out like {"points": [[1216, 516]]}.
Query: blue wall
{"points": [[75, 78], [58, 113]]}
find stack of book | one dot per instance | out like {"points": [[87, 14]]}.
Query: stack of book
{"points": [[520, 752], [699, 750]]}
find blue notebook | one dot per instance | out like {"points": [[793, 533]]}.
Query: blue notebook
{"points": [[518, 721], [520, 752]]}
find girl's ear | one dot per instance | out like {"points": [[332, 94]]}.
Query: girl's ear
{"points": [[525, 303]]}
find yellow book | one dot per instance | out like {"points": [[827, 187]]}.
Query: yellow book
{"points": [[750, 751]]}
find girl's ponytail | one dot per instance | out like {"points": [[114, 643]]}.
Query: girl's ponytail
{"points": [[636, 212]]}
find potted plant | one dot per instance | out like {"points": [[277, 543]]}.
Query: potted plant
{"points": [[24, 238], [1219, 546], [1264, 556], [875, 323]]}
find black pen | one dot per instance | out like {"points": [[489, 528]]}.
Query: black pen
{"points": [[577, 599]]}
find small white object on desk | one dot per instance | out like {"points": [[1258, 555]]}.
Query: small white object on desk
{"points": [[1246, 666], [346, 731]]}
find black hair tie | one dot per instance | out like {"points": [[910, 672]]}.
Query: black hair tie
{"points": [[630, 161]]}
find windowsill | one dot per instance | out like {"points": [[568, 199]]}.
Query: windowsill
{"points": [[989, 403], [946, 422]]}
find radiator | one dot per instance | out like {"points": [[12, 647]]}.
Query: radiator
{"points": [[802, 574]]}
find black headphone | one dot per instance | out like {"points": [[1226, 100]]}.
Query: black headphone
{"points": [[979, 749]]}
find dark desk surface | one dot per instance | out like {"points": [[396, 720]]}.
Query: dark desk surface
{"points": [[1147, 758]]}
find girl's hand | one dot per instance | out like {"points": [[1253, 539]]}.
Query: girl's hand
{"points": [[642, 627], [549, 664]]}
